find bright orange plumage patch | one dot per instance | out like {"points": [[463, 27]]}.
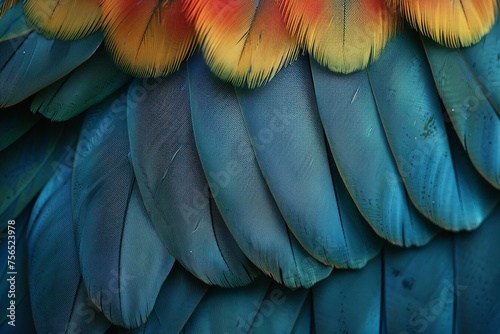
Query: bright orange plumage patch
{"points": [[68, 19], [342, 35], [148, 37], [454, 23], [243, 41]]}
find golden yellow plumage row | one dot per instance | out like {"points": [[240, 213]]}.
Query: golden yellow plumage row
{"points": [[248, 41]]}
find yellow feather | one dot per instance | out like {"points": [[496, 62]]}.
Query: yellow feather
{"points": [[454, 23]]}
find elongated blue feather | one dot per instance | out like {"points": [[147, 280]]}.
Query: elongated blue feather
{"points": [[15, 122], [84, 87], [123, 261], [13, 23], [173, 185], [178, 298], [304, 323], [349, 300], [363, 157], [484, 64], [231, 310], [412, 117], [31, 62], [288, 140], [27, 165], [54, 270], [477, 278], [240, 191], [470, 97]]}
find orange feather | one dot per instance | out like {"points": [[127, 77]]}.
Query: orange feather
{"points": [[452, 23], [148, 37], [243, 41], [345, 36], [68, 19]]}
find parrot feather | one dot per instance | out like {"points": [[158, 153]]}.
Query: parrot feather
{"points": [[349, 301], [360, 149], [173, 186], [344, 36], [412, 116], [66, 20], [471, 104], [288, 141], [84, 87], [54, 270], [15, 122], [304, 322], [158, 41], [27, 164], [244, 42], [5, 5], [123, 261], [181, 292], [13, 24], [452, 23], [24, 63], [238, 186]]}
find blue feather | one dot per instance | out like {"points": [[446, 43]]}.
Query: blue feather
{"points": [[13, 23], [59, 300], [25, 63], [472, 105], [238, 186], [362, 154], [288, 141], [349, 301], [173, 185], [413, 121], [178, 298], [123, 261], [27, 164], [15, 122], [87, 85]]}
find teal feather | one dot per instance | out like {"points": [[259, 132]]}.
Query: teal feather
{"points": [[84, 87], [413, 121], [238, 186], [27, 164], [361, 152], [173, 185], [54, 270], [15, 122], [13, 23], [24, 312], [472, 106], [24, 63], [123, 261], [349, 301], [288, 141], [485, 65], [230, 310], [304, 322], [178, 298]]}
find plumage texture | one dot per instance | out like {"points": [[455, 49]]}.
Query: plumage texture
{"points": [[84, 87], [52, 249], [13, 24], [66, 20], [244, 42], [344, 36], [5, 5], [158, 41], [113, 231], [452, 23], [24, 62], [203, 167], [173, 185]]}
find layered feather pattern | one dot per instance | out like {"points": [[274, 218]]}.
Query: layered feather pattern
{"points": [[251, 189]]}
